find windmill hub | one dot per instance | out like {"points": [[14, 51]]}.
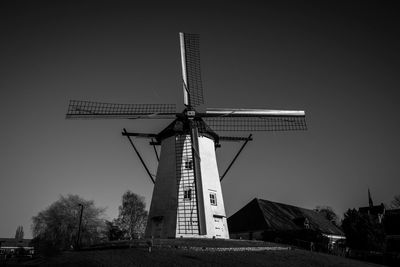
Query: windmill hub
{"points": [[190, 113], [187, 197]]}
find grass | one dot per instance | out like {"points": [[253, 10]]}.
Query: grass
{"points": [[187, 242], [179, 257], [176, 253]]}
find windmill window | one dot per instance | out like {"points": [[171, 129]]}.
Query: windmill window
{"points": [[187, 194], [213, 199], [306, 224], [189, 164]]}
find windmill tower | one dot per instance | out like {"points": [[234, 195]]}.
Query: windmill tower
{"points": [[187, 198]]}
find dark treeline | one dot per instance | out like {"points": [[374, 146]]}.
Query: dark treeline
{"points": [[72, 222]]}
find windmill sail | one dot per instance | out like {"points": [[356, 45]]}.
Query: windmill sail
{"points": [[94, 110], [242, 112], [191, 74], [255, 120]]}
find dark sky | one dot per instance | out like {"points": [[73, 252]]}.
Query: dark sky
{"points": [[339, 61]]}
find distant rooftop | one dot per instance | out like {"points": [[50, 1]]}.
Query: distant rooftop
{"points": [[12, 242], [373, 210]]}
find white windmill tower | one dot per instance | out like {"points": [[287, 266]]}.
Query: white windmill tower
{"points": [[187, 198]]}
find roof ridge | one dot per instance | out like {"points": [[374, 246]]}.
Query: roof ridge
{"points": [[286, 204]]}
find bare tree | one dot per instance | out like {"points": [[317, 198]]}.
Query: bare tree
{"points": [[132, 216], [328, 213], [19, 233], [57, 225]]}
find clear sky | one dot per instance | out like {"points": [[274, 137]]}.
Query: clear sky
{"points": [[339, 61]]}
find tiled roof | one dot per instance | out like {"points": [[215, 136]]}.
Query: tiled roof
{"points": [[262, 214]]}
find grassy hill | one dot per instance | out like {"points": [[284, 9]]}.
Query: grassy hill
{"points": [[182, 252], [182, 257]]}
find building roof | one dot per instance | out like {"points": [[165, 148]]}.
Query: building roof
{"points": [[373, 210], [12, 242], [261, 214]]}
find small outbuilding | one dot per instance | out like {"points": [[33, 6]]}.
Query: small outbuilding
{"points": [[271, 221], [13, 247]]}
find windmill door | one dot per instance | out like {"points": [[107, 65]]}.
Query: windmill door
{"points": [[157, 227], [219, 227]]}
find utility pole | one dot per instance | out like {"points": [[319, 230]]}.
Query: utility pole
{"points": [[79, 228]]}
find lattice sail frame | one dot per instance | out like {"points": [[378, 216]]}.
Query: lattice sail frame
{"points": [[287, 123], [191, 71], [255, 120], [187, 213], [78, 109]]}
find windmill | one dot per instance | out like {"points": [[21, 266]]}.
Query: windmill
{"points": [[187, 198]]}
